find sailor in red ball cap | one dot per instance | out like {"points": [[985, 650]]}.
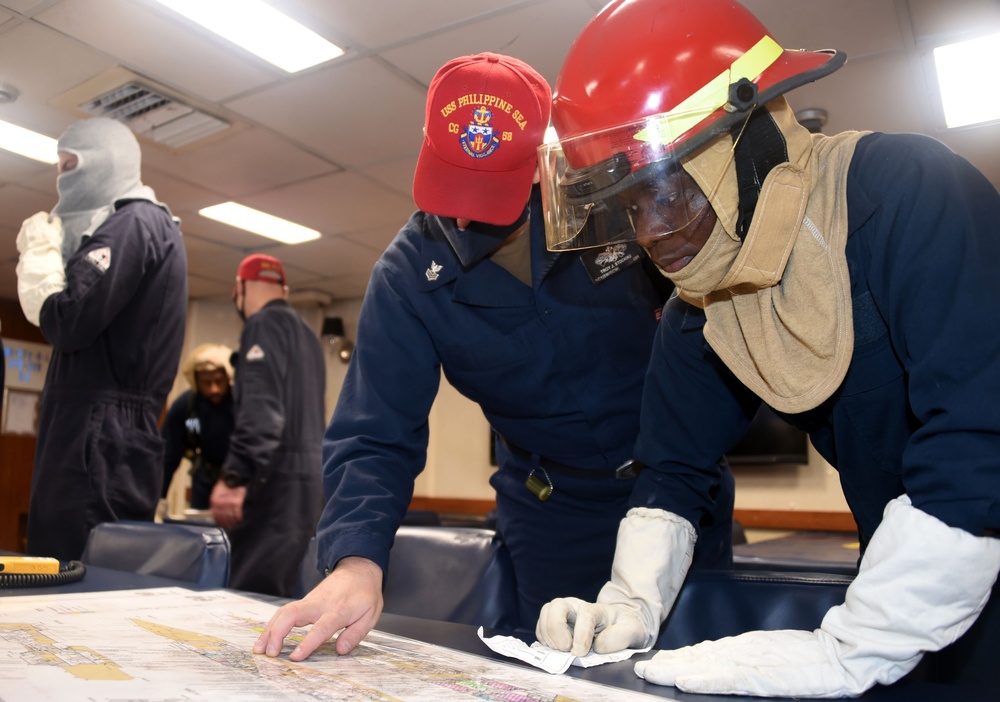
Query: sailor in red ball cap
{"points": [[268, 496], [552, 346]]}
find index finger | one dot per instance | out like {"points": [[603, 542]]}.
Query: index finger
{"points": [[555, 624], [589, 620], [321, 632], [272, 638]]}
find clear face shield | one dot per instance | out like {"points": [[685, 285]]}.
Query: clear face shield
{"points": [[642, 187]]}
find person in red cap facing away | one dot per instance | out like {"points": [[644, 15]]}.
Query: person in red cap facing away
{"points": [[268, 496], [552, 346]]}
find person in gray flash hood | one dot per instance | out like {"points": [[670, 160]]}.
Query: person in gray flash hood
{"points": [[105, 278]]}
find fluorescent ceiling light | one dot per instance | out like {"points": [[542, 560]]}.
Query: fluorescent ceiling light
{"points": [[28, 143], [962, 71], [259, 223], [261, 30]]}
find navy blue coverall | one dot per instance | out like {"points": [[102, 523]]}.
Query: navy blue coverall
{"points": [[116, 332], [280, 393], [193, 424], [918, 410], [557, 369]]}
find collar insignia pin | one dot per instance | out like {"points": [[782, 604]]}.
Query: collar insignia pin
{"points": [[433, 271]]}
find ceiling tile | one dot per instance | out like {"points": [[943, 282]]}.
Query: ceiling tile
{"points": [[378, 27], [359, 112], [337, 203], [345, 287], [538, 34], [890, 103], [41, 63], [395, 175], [22, 6], [377, 238], [161, 45], [246, 163], [856, 27], [209, 260], [936, 22], [179, 195], [328, 257], [221, 234], [203, 288]]}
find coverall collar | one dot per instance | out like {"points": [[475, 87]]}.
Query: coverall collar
{"points": [[473, 247]]}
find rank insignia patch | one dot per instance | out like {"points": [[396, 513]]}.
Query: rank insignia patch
{"points": [[101, 258], [256, 353], [433, 272]]}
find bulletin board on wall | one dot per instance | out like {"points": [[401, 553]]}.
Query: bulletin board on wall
{"points": [[25, 364], [20, 412]]}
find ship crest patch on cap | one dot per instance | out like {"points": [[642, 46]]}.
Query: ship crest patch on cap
{"points": [[479, 139]]}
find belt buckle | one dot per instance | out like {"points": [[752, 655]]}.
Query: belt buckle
{"points": [[627, 470]]}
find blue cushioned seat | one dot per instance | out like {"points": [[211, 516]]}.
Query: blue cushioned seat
{"points": [[454, 574], [194, 554], [714, 604]]}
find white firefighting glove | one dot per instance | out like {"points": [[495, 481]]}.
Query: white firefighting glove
{"points": [[920, 586], [40, 271], [652, 557]]}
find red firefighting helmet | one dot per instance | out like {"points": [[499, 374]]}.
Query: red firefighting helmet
{"points": [[653, 79]]}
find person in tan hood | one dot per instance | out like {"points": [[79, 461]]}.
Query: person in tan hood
{"points": [[199, 422], [846, 281]]}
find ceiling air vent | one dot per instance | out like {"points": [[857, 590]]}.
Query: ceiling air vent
{"points": [[154, 115]]}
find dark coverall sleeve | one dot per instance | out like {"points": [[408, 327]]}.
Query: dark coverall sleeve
{"points": [[376, 443], [933, 245], [173, 433], [693, 411], [260, 412], [75, 317]]}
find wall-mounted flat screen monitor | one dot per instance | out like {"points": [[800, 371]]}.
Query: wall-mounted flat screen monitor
{"points": [[770, 440]]}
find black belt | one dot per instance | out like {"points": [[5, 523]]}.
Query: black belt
{"points": [[626, 471]]}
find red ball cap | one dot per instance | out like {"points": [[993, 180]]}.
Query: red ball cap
{"points": [[262, 267], [486, 116]]}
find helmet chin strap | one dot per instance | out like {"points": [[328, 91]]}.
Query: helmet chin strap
{"points": [[759, 148]]}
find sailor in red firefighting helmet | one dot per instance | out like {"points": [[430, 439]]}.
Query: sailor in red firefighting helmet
{"points": [[846, 281]]}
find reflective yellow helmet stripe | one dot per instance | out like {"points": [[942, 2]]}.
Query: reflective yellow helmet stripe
{"points": [[664, 128]]}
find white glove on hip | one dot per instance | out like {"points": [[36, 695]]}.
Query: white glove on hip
{"points": [[920, 586], [40, 271], [652, 557]]}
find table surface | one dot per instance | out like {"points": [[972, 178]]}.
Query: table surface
{"points": [[465, 638]]}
